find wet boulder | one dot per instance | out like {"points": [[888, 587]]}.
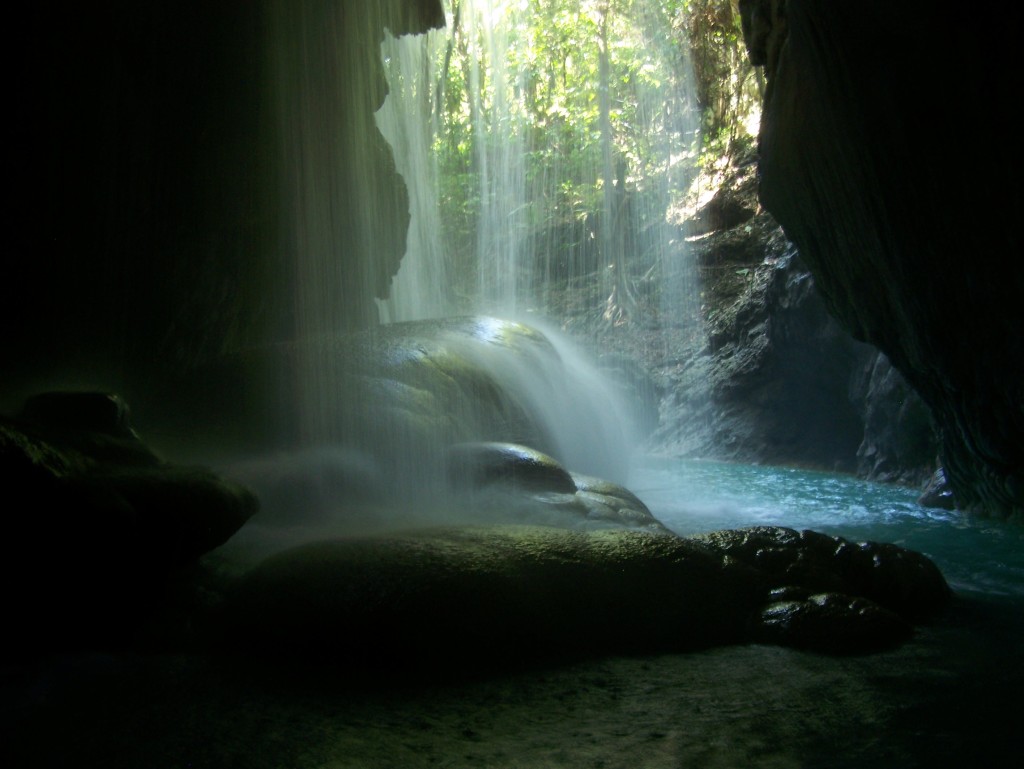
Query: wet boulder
{"points": [[901, 580], [486, 596], [529, 486], [608, 501], [96, 522], [476, 465], [473, 597], [828, 622]]}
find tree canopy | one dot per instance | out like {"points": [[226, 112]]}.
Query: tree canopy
{"points": [[544, 113]]}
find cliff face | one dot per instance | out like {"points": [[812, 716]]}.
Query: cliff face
{"points": [[885, 154], [780, 381]]}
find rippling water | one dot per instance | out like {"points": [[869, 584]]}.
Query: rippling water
{"points": [[691, 496]]}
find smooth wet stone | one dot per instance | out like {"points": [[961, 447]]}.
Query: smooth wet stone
{"points": [[597, 507], [901, 580], [623, 496], [518, 478], [479, 464], [832, 623], [626, 508]]}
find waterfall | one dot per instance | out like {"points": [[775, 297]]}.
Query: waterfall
{"points": [[408, 122], [509, 221], [542, 202], [344, 208], [523, 209]]}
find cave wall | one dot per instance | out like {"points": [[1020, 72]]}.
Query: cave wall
{"points": [[153, 222], [134, 124], [886, 153]]}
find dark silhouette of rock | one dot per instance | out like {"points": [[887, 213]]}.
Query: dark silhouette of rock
{"points": [[900, 443], [470, 598], [901, 580], [937, 493], [157, 157], [96, 522], [829, 622]]}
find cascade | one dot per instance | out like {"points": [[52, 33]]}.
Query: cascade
{"points": [[407, 121], [513, 210], [546, 204], [502, 235]]}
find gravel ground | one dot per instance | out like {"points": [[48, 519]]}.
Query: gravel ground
{"points": [[944, 699]]}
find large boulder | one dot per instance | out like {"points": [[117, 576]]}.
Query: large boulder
{"points": [[914, 250], [458, 598], [495, 480], [96, 523]]}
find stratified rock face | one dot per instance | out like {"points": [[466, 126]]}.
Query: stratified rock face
{"points": [[899, 443], [780, 380], [863, 164]]}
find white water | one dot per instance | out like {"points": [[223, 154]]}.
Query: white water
{"points": [[587, 420], [421, 288], [510, 280]]}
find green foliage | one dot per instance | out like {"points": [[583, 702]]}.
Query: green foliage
{"points": [[578, 87]]}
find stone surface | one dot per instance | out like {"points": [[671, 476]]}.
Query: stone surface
{"points": [[521, 468], [487, 596], [771, 376], [900, 442], [432, 600], [900, 580], [507, 482], [774, 383], [829, 622], [97, 522]]}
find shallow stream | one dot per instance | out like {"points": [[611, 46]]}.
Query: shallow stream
{"points": [[978, 556]]}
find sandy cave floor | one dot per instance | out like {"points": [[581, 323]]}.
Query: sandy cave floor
{"points": [[948, 698]]}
